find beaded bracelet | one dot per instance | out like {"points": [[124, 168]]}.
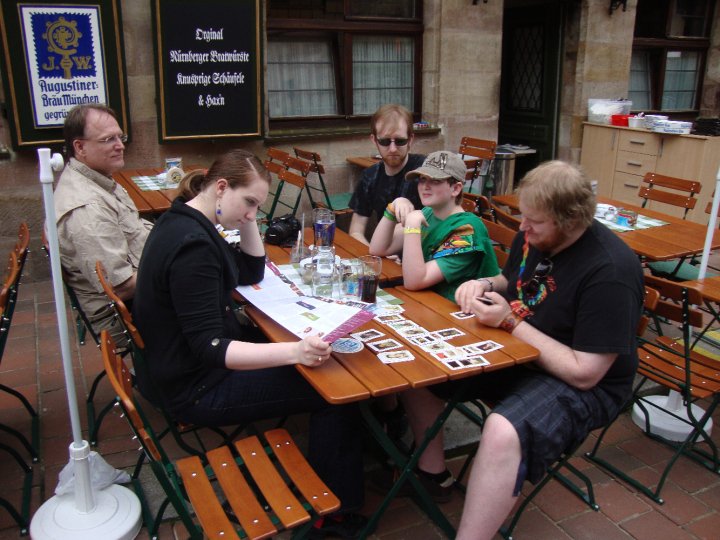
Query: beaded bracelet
{"points": [[509, 323]]}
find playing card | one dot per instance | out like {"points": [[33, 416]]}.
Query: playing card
{"points": [[414, 331], [367, 335], [437, 346], [464, 363], [448, 333], [384, 345], [422, 340], [487, 346], [400, 325], [388, 318], [402, 355], [462, 315], [448, 354]]}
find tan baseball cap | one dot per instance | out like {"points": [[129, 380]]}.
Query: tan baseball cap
{"points": [[440, 165]]}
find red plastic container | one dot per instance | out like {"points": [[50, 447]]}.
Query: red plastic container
{"points": [[619, 119]]}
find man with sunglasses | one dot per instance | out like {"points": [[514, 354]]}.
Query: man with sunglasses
{"points": [[573, 290], [96, 219], [392, 133]]}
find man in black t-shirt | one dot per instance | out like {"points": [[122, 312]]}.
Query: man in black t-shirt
{"points": [[572, 289], [381, 184]]}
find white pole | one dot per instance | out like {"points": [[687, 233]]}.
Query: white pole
{"points": [[114, 512], [711, 228]]}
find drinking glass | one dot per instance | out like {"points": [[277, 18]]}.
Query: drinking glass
{"points": [[324, 226], [369, 278], [349, 275], [324, 273]]}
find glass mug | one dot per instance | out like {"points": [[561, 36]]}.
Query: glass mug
{"points": [[323, 226], [369, 278]]}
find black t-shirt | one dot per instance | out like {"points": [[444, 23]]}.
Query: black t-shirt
{"points": [[596, 302], [376, 189]]}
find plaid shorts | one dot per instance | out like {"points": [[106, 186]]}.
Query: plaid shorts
{"points": [[549, 415]]}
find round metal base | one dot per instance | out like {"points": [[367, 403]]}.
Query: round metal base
{"points": [[665, 425], [116, 516]]}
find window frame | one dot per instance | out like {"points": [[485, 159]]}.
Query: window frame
{"points": [[658, 49], [340, 33]]}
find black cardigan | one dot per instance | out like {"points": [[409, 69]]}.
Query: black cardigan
{"points": [[183, 306]]}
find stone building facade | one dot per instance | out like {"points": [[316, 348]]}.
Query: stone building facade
{"points": [[461, 81]]}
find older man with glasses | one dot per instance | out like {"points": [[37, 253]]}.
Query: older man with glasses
{"points": [[96, 218], [573, 290], [392, 133]]}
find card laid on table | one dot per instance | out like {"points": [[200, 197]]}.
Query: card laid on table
{"points": [[388, 318], [367, 335], [448, 333], [401, 355], [384, 345], [462, 315], [413, 331]]}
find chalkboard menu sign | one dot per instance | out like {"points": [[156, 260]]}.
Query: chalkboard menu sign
{"points": [[209, 62]]}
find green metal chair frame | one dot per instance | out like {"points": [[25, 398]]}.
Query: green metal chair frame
{"points": [[264, 487], [673, 364], [339, 203], [8, 301]]}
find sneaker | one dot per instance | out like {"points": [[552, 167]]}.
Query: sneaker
{"points": [[348, 526], [439, 486]]}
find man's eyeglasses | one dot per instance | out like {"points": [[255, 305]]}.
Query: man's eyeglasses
{"points": [[109, 140], [386, 142], [542, 270]]}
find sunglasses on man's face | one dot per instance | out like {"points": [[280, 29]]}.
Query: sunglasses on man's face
{"points": [[542, 270], [386, 142]]}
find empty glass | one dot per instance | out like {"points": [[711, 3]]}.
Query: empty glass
{"points": [[324, 226]]}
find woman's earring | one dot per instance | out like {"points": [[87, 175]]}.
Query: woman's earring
{"points": [[218, 211]]}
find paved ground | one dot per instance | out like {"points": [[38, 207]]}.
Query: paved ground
{"points": [[32, 364]]}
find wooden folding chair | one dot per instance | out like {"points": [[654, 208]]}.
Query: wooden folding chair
{"points": [[339, 203], [8, 300], [262, 486], [282, 179], [505, 218], [177, 430], [502, 238], [679, 193], [672, 363], [478, 154]]}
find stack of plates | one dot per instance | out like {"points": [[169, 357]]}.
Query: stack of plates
{"points": [[671, 126]]}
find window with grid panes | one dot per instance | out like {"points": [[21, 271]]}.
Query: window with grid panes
{"points": [[336, 61], [669, 52]]}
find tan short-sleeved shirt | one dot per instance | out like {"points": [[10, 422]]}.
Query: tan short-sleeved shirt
{"points": [[97, 221]]}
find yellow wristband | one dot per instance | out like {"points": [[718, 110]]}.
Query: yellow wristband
{"points": [[412, 230]]}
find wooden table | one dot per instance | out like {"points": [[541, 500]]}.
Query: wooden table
{"points": [[346, 247], [147, 202], [679, 238], [358, 376], [362, 161]]}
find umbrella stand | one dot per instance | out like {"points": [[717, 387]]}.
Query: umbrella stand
{"points": [[663, 423], [110, 513]]}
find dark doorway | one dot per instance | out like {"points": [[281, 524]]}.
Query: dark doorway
{"points": [[530, 80]]}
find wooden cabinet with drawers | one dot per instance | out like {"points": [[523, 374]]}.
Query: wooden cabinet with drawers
{"points": [[619, 157]]}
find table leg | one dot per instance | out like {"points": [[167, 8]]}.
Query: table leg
{"points": [[406, 465]]}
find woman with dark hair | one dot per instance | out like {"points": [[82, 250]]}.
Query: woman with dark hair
{"points": [[206, 368]]}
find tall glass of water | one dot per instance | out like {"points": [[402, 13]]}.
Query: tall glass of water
{"points": [[324, 226], [370, 278]]}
